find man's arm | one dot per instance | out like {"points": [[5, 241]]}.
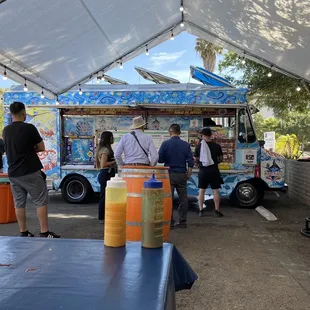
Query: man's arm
{"points": [[119, 151], [37, 140], [190, 161], [40, 147], [153, 153], [162, 154]]}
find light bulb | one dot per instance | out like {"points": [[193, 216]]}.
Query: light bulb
{"points": [[57, 102], [172, 37], [182, 25], [4, 75], [147, 52], [25, 87], [243, 61], [121, 65], [181, 8], [269, 74], [42, 94], [80, 92], [298, 88]]}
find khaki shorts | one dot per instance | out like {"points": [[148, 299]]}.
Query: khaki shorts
{"points": [[33, 184]]}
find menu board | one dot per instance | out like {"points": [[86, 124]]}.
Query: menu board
{"points": [[158, 137]]}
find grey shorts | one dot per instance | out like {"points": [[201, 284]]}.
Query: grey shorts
{"points": [[33, 184]]}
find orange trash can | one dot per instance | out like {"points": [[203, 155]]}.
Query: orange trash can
{"points": [[135, 176], [7, 210]]}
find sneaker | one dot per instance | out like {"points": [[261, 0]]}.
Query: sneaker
{"points": [[181, 225], [200, 213], [218, 213], [26, 234], [48, 234]]}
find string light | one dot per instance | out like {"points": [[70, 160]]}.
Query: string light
{"points": [[4, 75], [42, 94], [269, 74], [172, 36], [57, 102], [182, 24], [121, 65], [298, 88], [25, 86], [80, 90], [243, 60], [182, 7], [147, 51]]}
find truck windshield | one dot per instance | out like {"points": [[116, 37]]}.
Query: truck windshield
{"points": [[246, 131]]}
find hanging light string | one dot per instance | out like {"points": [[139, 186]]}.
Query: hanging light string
{"points": [[182, 22], [182, 7], [4, 75], [25, 86], [80, 90]]}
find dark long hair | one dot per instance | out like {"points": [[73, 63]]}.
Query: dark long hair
{"points": [[106, 140]]}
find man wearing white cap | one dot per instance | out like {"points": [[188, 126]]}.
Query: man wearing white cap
{"points": [[138, 148]]}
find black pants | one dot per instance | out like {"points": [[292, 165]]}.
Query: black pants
{"points": [[178, 181], [103, 177]]}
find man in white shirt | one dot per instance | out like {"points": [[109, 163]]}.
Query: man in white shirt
{"points": [[138, 148]]}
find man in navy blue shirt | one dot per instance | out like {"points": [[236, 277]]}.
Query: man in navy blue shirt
{"points": [[177, 155]]}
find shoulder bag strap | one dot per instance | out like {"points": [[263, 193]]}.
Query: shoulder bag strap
{"points": [[134, 134]]}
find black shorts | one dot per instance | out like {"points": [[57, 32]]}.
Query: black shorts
{"points": [[209, 176]]}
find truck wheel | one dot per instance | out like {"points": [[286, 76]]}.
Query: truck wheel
{"points": [[246, 195], [75, 189]]}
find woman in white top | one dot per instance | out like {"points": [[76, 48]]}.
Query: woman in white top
{"points": [[106, 163]]}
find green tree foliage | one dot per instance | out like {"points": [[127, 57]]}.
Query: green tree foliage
{"points": [[208, 52], [287, 123], [263, 125], [288, 146], [277, 92]]}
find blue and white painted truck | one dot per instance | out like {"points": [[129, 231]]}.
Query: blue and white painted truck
{"points": [[71, 127]]}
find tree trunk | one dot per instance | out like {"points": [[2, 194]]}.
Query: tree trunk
{"points": [[210, 62]]}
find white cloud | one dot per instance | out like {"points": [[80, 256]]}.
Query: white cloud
{"points": [[182, 75], [159, 59]]}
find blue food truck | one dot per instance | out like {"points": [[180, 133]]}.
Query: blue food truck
{"points": [[71, 127]]}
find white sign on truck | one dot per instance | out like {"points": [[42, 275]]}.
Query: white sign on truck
{"points": [[270, 140]]}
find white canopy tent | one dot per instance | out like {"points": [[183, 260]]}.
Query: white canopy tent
{"points": [[56, 45]]}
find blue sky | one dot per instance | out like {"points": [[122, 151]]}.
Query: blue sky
{"points": [[171, 58]]}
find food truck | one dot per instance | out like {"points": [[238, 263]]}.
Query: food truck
{"points": [[71, 128]]}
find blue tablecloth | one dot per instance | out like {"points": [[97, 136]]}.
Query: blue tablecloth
{"points": [[77, 274]]}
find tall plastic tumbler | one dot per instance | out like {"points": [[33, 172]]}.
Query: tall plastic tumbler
{"points": [[115, 212], [152, 213]]}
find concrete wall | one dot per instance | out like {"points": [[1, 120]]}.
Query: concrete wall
{"points": [[297, 177]]}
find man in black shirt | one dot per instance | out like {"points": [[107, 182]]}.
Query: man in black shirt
{"points": [[22, 142], [209, 154]]}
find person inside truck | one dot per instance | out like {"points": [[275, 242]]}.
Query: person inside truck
{"points": [[209, 154], [105, 161]]}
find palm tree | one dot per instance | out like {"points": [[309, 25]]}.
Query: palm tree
{"points": [[208, 52]]}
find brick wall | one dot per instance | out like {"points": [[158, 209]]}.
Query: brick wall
{"points": [[297, 177]]}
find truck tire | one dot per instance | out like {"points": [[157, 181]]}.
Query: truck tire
{"points": [[246, 195], [75, 189]]}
